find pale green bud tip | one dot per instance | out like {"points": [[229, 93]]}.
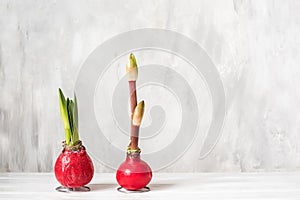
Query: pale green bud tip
{"points": [[132, 61]]}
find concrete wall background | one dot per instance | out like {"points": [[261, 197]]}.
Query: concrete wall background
{"points": [[254, 45]]}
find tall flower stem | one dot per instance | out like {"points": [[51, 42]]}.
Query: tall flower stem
{"points": [[137, 110]]}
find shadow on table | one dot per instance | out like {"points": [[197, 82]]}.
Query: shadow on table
{"points": [[99, 186], [157, 187], [153, 187]]}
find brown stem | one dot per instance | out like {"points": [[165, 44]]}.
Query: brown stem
{"points": [[134, 132], [133, 101], [134, 138]]}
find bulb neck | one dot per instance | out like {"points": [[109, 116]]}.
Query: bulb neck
{"points": [[133, 156], [74, 148]]}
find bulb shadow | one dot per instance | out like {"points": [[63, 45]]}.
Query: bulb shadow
{"points": [[158, 187], [103, 186]]}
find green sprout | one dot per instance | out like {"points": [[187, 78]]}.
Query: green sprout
{"points": [[69, 114]]}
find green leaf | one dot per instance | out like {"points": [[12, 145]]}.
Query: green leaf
{"points": [[75, 118], [64, 115], [70, 117]]}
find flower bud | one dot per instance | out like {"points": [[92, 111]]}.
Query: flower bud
{"points": [[138, 114], [131, 68]]}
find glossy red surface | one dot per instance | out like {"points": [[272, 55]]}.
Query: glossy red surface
{"points": [[134, 173], [74, 169]]}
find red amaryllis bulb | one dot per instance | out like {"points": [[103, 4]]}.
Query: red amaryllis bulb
{"points": [[134, 173], [74, 169]]}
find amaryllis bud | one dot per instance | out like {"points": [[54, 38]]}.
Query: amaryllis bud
{"points": [[138, 114], [131, 68]]}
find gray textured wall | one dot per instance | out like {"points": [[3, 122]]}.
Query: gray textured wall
{"points": [[254, 45]]}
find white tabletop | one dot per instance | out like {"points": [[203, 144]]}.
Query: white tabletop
{"points": [[163, 186]]}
